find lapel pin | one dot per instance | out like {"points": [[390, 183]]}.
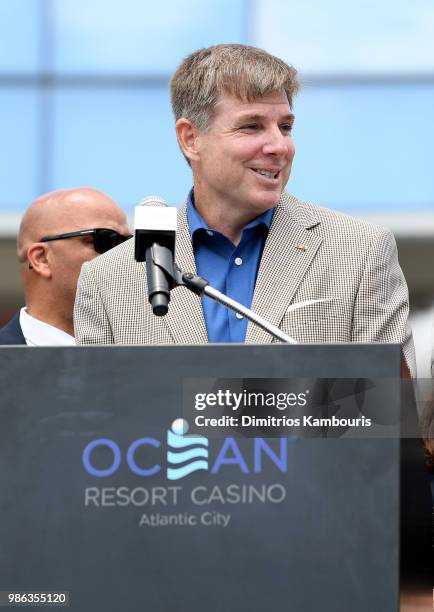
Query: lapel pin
{"points": [[300, 247]]}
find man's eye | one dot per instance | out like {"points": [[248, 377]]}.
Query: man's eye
{"points": [[286, 128], [249, 126]]}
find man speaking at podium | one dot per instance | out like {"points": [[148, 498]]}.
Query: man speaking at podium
{"points": [[243, 232]]}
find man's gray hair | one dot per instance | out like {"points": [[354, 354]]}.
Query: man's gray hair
{"points": [[248, 73]]}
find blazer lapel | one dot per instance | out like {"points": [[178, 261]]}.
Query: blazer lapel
{"points": [[289, 250], [185, 317]]}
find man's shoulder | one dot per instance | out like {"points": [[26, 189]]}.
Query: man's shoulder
{"points": [[329, 222], [11, 333], [116, 259]]}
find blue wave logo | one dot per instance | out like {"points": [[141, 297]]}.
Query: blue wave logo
{"points": [[185, 455]]}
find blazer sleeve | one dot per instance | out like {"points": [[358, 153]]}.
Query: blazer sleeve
{"points": [[91, 322], [381, 307]]}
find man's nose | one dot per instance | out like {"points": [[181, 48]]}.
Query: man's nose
{"points": [[276, 142]]}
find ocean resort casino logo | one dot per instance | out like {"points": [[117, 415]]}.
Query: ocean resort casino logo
{"points": [[186, 454], [229, 473]]}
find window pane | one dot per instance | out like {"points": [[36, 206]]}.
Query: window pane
{"points": [[363, 148], [121, 142], [18, 36], [331, 36], [134, 36], [18, 151], [358, 149]]}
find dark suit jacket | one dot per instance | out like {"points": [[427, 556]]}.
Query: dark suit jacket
{"points": [[11, 333]]}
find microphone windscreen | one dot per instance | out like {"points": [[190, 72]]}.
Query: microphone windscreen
{"points": [[152, 200], [154, 223]]}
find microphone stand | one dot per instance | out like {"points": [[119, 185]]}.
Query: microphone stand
{"points": [[200, 286]]}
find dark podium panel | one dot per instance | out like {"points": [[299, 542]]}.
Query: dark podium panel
{"points": [[96, 501]]}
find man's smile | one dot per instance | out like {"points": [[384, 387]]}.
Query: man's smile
{"points": [[271, 175]]}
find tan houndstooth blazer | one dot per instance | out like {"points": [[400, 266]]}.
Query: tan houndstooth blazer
{"points": [[310, 253]]}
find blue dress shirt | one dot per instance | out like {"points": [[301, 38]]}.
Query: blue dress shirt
{"points": [[230, 269]]}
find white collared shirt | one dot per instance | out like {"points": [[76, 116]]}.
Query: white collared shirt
{"points": [[38, 333]]}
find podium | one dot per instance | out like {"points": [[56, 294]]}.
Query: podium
{"points": [[97, 500]]}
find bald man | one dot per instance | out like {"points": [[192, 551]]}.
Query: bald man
{"points": [[58, 233]]}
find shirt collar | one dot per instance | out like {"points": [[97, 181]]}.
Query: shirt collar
{"points": [[195, 221], [38, 333]]}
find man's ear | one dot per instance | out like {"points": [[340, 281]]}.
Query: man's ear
{"points": [[187, 135], [37, 256]]}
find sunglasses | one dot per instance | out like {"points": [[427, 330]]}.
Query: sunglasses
{"points": [[103, 239]]}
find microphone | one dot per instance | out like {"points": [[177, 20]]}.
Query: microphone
{"points": [[154, 242]]}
